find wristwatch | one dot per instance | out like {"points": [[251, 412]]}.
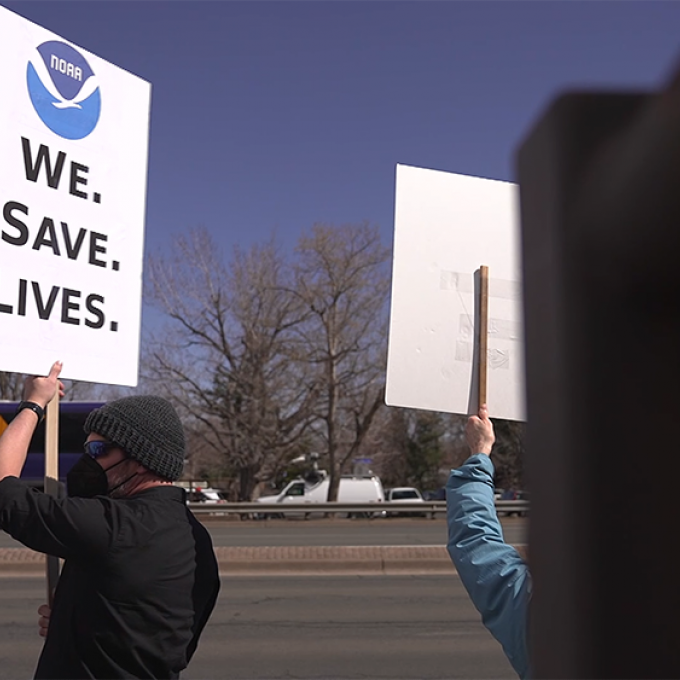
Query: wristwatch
{"points": [[32, 406]]}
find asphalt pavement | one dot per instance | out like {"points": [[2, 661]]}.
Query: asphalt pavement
{"points": [[312, 600], [332, 532], [309, 628], [369, 532]]}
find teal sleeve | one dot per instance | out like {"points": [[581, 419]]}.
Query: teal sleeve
{"points": [[493, 573]]}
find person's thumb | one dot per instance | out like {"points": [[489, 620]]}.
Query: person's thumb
{"points": [[55, 370]]}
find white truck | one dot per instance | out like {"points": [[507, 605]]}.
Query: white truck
{"points": [[352, 489]]}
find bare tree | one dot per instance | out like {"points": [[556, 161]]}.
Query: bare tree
{"points": [[508, 454], [79, 390], [341, 278], [11, 386], [228, 356], [415, 447]]}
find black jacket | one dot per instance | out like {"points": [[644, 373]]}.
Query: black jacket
{"points": [[139, 581]]}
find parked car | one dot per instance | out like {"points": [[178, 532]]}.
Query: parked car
{"points": [[404, 494], [206, 495]]}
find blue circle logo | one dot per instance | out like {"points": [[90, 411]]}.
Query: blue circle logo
{"points": [[63, 90]]}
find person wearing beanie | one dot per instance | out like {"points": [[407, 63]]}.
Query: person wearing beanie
{"points": [[140, 578]]}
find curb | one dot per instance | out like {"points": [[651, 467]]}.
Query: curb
{"points": [[334, 560], [21, 562], [289, 560]]}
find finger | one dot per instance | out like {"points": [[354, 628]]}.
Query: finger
{"points": [[484, 412], [44, 610], [42, 632], [55, 370], [43, 622]]}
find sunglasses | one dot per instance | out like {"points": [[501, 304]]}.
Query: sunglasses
{"points": [[98, 448]]}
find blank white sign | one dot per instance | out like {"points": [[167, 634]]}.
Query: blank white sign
{"points": [[446, 227]]}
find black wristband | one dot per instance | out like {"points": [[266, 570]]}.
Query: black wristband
{"points": [[32, 406]]}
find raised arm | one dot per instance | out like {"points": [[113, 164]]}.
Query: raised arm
{"points": [[493, 573], [16, 439]]}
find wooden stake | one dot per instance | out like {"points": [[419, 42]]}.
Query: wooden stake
{"points": [[483, 333], [52, 482]]}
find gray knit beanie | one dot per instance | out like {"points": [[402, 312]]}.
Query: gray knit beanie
{"points": [[147, 428]]}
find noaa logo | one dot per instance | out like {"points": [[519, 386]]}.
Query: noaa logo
{"points": [[64, 90]]}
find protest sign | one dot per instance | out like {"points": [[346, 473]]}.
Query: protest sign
{"points": [[73, 166], [446, 227]]}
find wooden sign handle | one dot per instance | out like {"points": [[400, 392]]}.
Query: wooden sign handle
{"points": [[483, 334], [52, 482]]}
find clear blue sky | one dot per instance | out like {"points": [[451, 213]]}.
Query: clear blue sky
{"points": [[275, 115]]}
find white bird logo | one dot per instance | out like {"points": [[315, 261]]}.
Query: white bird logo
{"points": [[89, 86]]}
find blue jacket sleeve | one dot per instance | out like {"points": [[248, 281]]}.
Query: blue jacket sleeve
{"points": [[493, 573]]}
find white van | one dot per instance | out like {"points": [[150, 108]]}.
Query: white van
{"points": [[352, 489]]}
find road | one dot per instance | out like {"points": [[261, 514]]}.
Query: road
{"points": [[312, 628], [389, 531]]}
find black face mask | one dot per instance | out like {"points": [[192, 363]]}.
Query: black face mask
{"points": [[87, 478]]}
